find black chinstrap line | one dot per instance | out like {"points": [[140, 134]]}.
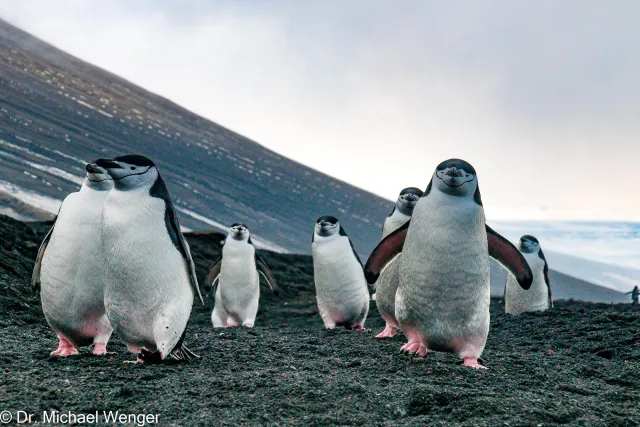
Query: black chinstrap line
{"points": [[456, 186], [132, 174]]}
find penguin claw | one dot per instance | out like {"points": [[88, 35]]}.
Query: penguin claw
{"points": [[414, 347]]}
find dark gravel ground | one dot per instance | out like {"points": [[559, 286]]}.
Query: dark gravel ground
{"points": [[578, 364]]}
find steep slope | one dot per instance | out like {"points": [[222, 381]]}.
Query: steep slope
{"points": [[58, 112]]}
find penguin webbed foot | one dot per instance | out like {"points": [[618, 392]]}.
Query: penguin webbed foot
{"points": [[65, 348], [100, 350], [472, 362], [389, 332]]}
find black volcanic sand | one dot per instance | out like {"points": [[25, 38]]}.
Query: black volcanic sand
{"points": [[578, 364]]}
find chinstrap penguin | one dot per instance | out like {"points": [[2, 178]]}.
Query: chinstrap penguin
{"points": [[387, 284], [68, 269], [538, 297], [341, 289], [149, 272], [442, 302], [235, 280]]}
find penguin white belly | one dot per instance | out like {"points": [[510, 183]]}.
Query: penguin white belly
{"points": [[239, 283], [72, 286], [148, 296], [341, 288], [393, 222], [444, 292], [386, 288], [536, 298]]}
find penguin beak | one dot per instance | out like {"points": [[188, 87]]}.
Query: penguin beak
{"points": [[93, 168], [454, 172], [108, 164]]}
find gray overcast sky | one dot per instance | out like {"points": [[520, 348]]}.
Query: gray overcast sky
{"points": [[543, 98]]}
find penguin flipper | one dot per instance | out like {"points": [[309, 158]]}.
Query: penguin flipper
{"points": [[545, 271], [509, 257], [214, 273], [159, 190], [266, 273], [35, 276], [386, 250]]}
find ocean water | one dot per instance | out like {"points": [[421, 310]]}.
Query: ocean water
{"points": [[604, 253], [616, 243]]}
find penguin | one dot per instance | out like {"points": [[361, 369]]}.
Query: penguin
{"points": [[402, 210], [234, 280], [538, 297], [150, 274], [387, 283], [442, 302], [341, 288], [68, 269]]}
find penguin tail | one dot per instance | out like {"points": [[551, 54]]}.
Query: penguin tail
{"points": [[182, 352]]}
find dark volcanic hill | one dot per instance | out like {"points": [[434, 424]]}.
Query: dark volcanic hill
{"points": [[57, 113]]}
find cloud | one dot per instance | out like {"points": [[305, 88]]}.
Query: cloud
{"points": [[542, 98]]}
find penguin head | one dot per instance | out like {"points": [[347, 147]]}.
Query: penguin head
{"points": [[407, 200], [455, 177], [97, 174], [327, 226], [130, 172], [529, 244], [239, 231]]}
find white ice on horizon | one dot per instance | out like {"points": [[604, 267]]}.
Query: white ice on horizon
{"points": [[606, 254]]}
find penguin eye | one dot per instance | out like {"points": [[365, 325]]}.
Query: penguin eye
{"points": [[132, 168]]}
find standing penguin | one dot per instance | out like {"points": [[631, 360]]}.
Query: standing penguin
{"points": [[387, 283], [341, 289], [151, 278], [442, 302], [236, 273], [538, 297], [68, 269]]}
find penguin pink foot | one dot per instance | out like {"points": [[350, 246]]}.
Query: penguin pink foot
{"points": [[389, 332], [357, 328], [65, 348], [248, 325], [472, 362], [99, 349]]}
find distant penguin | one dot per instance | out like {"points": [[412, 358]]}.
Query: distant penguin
{"points": [[538, 297], [442, 302], [387, 283], [68, 269], [341, 289], [149, 272], [236, 274]]}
